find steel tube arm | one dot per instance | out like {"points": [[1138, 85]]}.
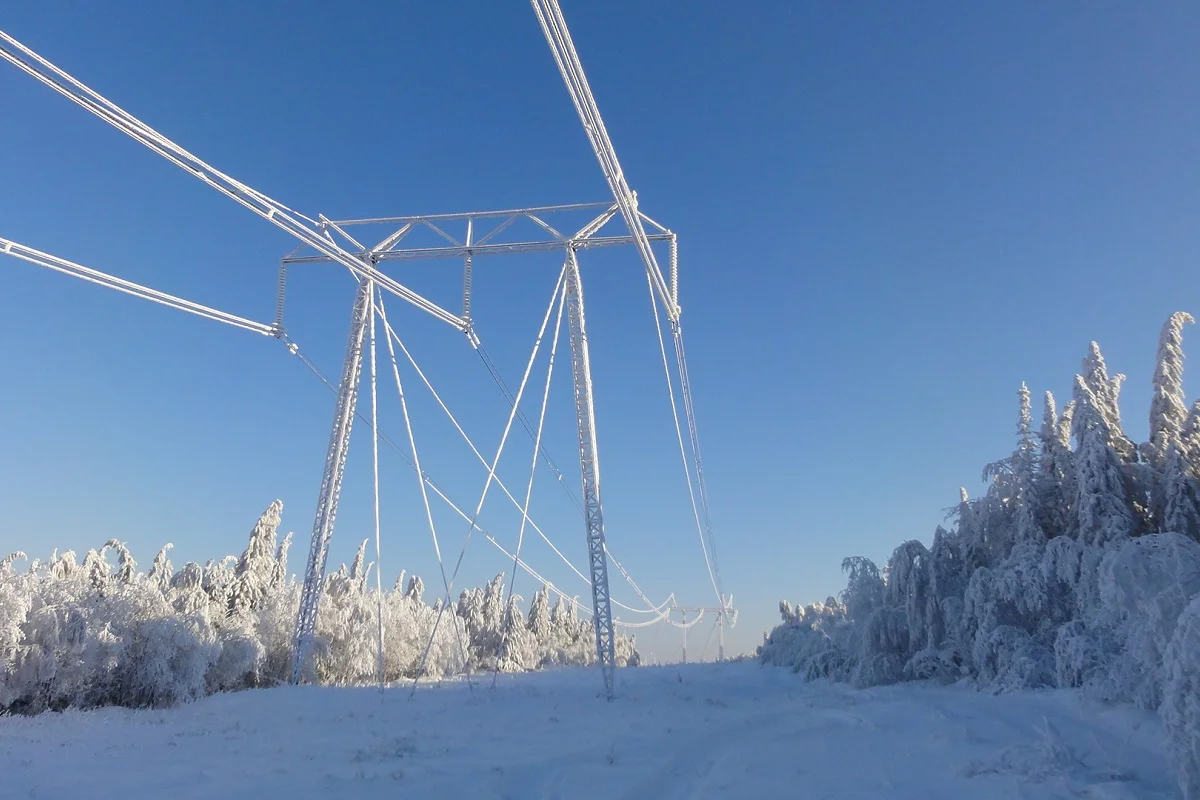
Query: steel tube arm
{"points": [[99, 278], [299, 226]]}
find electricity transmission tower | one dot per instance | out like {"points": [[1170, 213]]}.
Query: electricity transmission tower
{"points": [[482, 235], [331, 243], [563, 49], [725, 616]]}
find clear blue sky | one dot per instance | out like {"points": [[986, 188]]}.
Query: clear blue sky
{"points": [[890, 215]]}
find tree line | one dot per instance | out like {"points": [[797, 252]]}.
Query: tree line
{"points": [[102, 633], [1079, 567]]}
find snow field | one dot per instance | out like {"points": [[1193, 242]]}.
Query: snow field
{"points": [[734, 730]]}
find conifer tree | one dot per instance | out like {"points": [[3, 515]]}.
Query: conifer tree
{"points": [[416, 589], [97, 568], [1027, 525], [1106, 392], [161, 570], [1054, 464], [1181, 482], [358, 570], [255, 569], [539, 615], [1104, 515], [126, 566], [1167, 406], [279, 574]]}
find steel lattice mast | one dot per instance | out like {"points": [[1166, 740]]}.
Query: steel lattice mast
{"points": [[331, 479], [589, 466]]}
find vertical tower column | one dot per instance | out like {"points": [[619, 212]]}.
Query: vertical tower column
{"points": [[331, 481], [466, 314], [721, 635], [589, 465]]}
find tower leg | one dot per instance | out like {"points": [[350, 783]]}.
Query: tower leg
{"points": [[590, 468], [331, 481]]}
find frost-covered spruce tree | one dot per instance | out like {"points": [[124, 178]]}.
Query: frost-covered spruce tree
{"points": [[126, 566], [161, 570], [947, 582], [1028, 499], [518, 646], [1180, 482], [1103, 512], [279, 574], [909, 588], [539, 616], [1106, 393], [1168, 410], [1167, 405], [347, 627], [1054, 495], [255, 570], [1136, 476], [572, 639], [970, 527]]}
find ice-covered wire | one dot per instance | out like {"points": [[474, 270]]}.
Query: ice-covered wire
{"points": [[271, 210], [495, 461], [651, 607], [537, 446], [434, 487], [682, 447], [375, 475], [689, 408], [416, 464]]}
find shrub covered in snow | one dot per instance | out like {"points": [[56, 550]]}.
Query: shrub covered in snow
{"points": [[1079, 567], [96, 633]]}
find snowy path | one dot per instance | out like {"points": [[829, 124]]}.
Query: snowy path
{"points": [[701, 731]]}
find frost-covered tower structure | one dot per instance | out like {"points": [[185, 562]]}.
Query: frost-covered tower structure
{"points": [[328, 241]]}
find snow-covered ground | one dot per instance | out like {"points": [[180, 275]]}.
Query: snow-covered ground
{"points": [[733, 730]]}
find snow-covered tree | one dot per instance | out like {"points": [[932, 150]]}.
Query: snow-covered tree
{"points": [[255, 571], [88, 635], [1167, 405], [161, 569], [126, 566], [539, 615], [1105, 393], [1103, 512], [1077, 567], [1180, 494], [518, 646], [1181, 699]]}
